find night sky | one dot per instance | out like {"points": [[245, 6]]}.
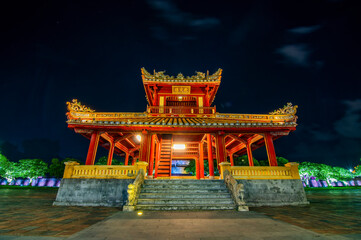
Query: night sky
{"points": [[271, 53]]}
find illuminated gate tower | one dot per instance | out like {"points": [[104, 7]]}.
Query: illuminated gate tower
{"points": [[180, 123]]}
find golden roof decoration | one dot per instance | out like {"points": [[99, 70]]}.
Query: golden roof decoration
{"points": [[288, 109], [75, 106], [199, 77]]}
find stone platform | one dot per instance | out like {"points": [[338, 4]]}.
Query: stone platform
{"points": [[179, 194]]}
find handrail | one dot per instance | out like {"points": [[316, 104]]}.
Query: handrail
{"points": [[75, 170], [180, 110], [236, 190], [289, 171], [134, 191]]}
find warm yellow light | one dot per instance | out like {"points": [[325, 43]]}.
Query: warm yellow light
{"points": [[140, 213], [179, 146], [139, 138]]}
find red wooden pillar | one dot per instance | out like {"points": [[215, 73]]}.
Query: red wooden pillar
{"points": [[210, 156], [111, 153], [151, 158], [93, 146], [231, 159], [133, 160], [220, 148], [157, 158], [270, 149], [249, 153], [144, 147], [197, 168], [126, 159], [201, 161]]}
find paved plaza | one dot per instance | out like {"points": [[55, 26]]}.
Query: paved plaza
{"points": [[27, 214]]}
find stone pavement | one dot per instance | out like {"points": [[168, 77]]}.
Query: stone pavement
{"points": [[29, 212], [195, 225], [330, 211]]}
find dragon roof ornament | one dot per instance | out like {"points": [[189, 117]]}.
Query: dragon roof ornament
{"points": [[288, 109], [199, 77], [75, 106]]}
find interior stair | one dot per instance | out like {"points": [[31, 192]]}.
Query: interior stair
{"points": [[185, 195], [164, 168]]}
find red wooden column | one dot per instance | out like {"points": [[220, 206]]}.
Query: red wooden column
{"points": [[157, 158], [111, 152], [220, 147], [201, 161], [249, 153], [210, 156], [151, 158], [270, 149], [197, 168], [144, 147], [231, 159], [93, 146], [126, 159]]}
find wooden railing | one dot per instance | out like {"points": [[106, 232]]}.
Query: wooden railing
{"points": [[289, 171], [181, 110], [74, 170]]}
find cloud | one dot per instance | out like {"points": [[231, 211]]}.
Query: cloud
{"points": [[305, 30], [323, 136], [175, 17], [350, 124], [171, 13], [297, 54]]}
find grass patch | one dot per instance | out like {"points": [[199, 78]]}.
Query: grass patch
{"points": [[25, 187], [330, 188]]}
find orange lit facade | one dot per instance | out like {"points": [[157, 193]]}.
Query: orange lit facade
{"points": [[180, 122]]}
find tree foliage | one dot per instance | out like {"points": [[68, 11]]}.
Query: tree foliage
{"points": [[31, 168], [57, 166], [191, 168], [7, 168], [104, 159], [324, 172]]}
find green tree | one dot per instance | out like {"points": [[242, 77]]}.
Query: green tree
{"points": [[31, 168], [342, 174], [191, 168], [307, 170], [57, 167], [103, 161], [7, 168], [281, 161], [243, 161]]}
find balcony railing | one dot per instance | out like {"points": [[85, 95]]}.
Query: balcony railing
{"points": [[289, 171], [181, 110], [74, 170]]}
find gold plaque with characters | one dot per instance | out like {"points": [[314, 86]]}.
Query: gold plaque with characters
{"points": [[181, 89]]}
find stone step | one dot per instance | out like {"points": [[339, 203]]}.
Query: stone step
{"points": [[188, 181], [183, 190], [167, 195], [187, 207], [184, 201], [183, 186]]}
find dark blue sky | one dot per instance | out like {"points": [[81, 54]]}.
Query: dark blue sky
{"points": [[272, 52]]}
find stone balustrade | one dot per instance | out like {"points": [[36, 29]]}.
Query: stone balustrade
{"points": [[289, 171], [75, 170]]}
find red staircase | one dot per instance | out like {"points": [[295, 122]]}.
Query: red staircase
{"points": [[165, 161]]}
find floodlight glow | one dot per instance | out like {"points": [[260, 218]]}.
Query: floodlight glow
{"points": [[351, 170], [179, 146], [140, 213], [139, 138]]}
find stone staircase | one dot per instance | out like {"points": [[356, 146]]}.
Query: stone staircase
{"points": [[185, 195], [164, 168]]}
